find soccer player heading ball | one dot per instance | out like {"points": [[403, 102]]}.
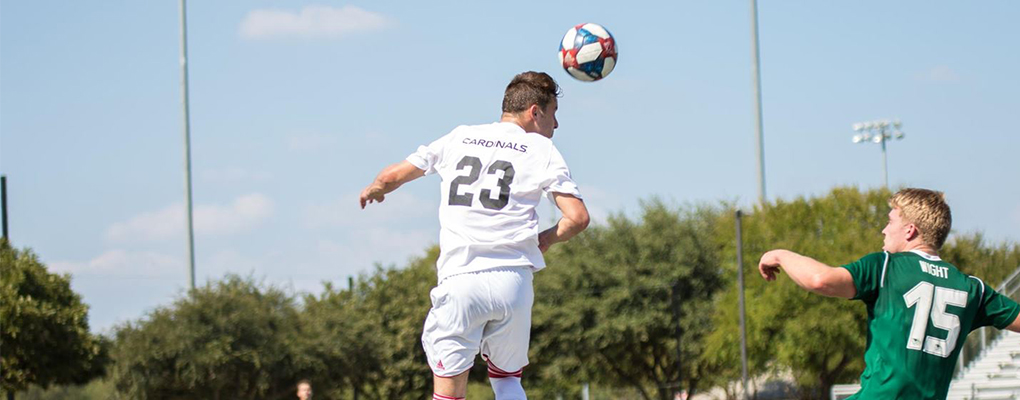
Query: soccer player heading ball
{"points": [[493, 177], [920, 308]]}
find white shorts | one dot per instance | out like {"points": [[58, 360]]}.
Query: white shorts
{"points": [[485, 311]]}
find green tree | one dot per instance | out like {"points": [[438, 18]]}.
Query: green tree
{"points": [[45, 333], [397, 305], [626, 304], [820, 340], [369, 337], [341, 342], [972, 254], [228, 340], [97, 389]]}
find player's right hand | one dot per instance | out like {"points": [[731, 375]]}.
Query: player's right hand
{"points": [[769, 265]]}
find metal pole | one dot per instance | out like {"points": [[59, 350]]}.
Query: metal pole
{"points": [[885, 163], [743, 327], [3, 200], [759, 137], [679, 337], [585, 395], [187, 143]]}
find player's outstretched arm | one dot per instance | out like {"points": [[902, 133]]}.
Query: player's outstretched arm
{"points": [[575, 219], [1015, 326], [389, 179], [808, 273]]}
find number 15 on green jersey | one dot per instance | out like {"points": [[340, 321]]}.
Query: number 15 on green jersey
{"points": [[920, 309]]}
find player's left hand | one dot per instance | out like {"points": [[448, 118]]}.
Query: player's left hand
{"points": [[543, 241], [769, 265]]}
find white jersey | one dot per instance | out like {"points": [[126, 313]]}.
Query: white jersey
{"points": [[493, 177]]}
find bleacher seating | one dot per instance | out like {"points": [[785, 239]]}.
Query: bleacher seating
{"points": [[995, 374]]}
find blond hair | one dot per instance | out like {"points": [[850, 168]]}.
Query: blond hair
{"points": [[927, 210]]}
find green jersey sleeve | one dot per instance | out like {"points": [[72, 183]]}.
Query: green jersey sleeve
{"points": [[868, 273], [996, 310]]}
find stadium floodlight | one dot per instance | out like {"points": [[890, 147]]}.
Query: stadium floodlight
{"points": [[879, 132], [864, 137]]}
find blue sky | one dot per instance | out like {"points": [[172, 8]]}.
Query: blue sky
{"points": [[296, 105]]}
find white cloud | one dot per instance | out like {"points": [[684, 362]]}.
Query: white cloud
{"points": [[157, 225], [939, 73], [123, 262], [313, 21], [231, 175], [245, 213]]}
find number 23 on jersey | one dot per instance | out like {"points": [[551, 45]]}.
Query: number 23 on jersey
{"points": [[474, 166]]}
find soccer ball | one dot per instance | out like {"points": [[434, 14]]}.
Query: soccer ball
{"points": [[588, 52]]}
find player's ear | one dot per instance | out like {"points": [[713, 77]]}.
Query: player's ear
{"points": [[912, 232], [533, 110]]}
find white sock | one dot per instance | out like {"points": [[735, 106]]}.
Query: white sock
{"points": [[508, 388]]}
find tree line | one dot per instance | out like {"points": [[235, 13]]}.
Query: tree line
{"points": [[645, 304]]}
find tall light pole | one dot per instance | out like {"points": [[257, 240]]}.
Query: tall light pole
{"points": [[187, 143], [879, 132], [743, 313], [759, 136], [3, 203]]}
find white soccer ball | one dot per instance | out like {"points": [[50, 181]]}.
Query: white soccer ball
{"points": [[588, 52]]}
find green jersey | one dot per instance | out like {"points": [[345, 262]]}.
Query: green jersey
{"points": [[920, 310]]}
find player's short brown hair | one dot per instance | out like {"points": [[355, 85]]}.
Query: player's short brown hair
{"points": [[927, 210], [529, 88]]}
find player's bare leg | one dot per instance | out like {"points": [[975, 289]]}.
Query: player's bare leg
{"points": [[450, 388]]}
